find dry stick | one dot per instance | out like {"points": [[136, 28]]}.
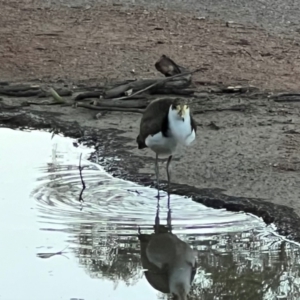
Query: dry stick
{"points": [[55, 96], [46, 102], [285, 95], [82, 181], [119, 104], [159, 82], [105, 108], [141, 111]]}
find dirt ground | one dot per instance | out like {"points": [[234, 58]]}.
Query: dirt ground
{"points": [[109, 41], [253, 151]]}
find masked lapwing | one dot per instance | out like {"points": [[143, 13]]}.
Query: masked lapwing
{"points": [[166, 123]]}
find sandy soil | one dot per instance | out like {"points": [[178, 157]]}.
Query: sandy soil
{"points": [[254, 153], [108, 42]]}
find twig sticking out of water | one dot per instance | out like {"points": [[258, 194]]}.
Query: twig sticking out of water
{"points": [[82, 181], [48, 255]]}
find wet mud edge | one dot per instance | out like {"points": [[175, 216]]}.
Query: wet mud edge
{"points": [[109, 145]]}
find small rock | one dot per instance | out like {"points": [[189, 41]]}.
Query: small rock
{"points": [[228, 23]]}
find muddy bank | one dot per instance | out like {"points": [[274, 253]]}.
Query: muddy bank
{"points": [[232, 164]]}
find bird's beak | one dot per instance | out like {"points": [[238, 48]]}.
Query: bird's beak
{"points": [[181, 111]]}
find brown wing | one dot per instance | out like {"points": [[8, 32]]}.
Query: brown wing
{"points": [[153, 119]]}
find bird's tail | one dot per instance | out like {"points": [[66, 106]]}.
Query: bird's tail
{"points": [[140, 142]]}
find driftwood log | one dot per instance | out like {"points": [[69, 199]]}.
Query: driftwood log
{"points": [[156, 86], [20, 90], [138, 93], [119, 103], [286, 97]]}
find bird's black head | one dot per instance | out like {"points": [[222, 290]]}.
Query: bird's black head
{"points": [[181, 107]]}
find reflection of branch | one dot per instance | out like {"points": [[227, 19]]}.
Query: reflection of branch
{"points": [[48, 255], [277, 278], [82, 181]]}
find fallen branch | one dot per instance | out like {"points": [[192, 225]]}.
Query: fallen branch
{"points": [[28, 93], [118, 83], [159, 82], [287, 100], [93, 94], [131, 88], [104, 108], [177, 78], [285, 95], [240, 108], [236, 89], [46, 102], [121, 89], [18, 87], [122, 104], [175, 91], [60, 92]]}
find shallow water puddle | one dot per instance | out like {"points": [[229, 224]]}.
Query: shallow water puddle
{"points": [[238, 256]]}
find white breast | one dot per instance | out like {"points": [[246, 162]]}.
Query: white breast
{"points": [[180, 129], [161, 144]]}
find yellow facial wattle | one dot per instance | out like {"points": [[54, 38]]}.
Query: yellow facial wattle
{"points": [[181, 109]]}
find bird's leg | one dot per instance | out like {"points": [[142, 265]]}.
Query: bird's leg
{"points": [[169, 220], [169, 179], [169, 175], [157, 221], [157, 175]]}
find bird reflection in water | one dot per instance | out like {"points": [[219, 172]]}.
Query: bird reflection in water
{"points": [[169, 262]]}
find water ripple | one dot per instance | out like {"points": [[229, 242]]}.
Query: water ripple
{"points": [[235, 250], [125, 204]]}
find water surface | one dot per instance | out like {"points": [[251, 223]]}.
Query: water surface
{"points": [[239, 257]]}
